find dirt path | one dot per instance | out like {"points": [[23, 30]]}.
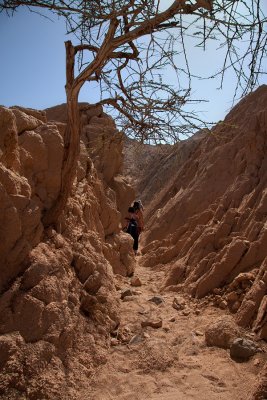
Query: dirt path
{"points": [[171, 362]]}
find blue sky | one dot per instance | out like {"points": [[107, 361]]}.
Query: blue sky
{"points": [[32, 68]]}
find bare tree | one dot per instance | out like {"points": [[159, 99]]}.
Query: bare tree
{"points": [[129, 46]]}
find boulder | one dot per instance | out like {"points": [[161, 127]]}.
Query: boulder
{"points": [[222, 332], [243, 349]]}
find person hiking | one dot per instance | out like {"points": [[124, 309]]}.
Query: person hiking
{"points": [[140, 205], [138, 208], [131, 227]]}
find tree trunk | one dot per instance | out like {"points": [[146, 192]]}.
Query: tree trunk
{"points": [[71, 142]]}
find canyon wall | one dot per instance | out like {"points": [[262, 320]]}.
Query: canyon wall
{"points": [[205, 211], [58, 301], [205, 225]]}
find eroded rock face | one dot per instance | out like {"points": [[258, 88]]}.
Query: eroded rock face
{"points": [[41, 154], [210, 220], [58, 301], [20, 212], [9, 156]]}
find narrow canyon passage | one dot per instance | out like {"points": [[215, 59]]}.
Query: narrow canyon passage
{"points": [[168, 358], [64, 289]]}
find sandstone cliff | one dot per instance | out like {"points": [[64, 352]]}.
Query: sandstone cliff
{"points": [[58, 300], [206, 208]]}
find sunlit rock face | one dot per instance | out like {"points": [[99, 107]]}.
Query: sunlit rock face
{"points": [[205, 225], [58, 301], [205, 211]]}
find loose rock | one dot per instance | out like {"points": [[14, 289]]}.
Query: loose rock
{"points": [[186, 312], [223, 304], [114, 342], [178, 303], [222, 332], [153, 323], [199, 333], [242, 349], [135, 281], [157, 300], [126, 292]]}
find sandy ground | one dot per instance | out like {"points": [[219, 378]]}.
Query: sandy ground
{"points": [[171, 362]]}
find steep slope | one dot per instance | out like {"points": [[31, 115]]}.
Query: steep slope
{"points": [[207, 222], [58, 300]]}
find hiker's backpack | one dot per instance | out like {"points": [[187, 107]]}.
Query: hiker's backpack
{"points": [[132, 228]]}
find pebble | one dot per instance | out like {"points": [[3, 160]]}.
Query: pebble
{"points": [[186, 312], [157, 300], [143, 312], [123, 338], [153, 323], [166, 328], [199, 333], [223, 304], [59, 241], [126, 292], [232, 297], [178, 303], [135, 281]]}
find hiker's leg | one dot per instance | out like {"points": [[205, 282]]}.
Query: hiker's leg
{"points": [[135, 244]]}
